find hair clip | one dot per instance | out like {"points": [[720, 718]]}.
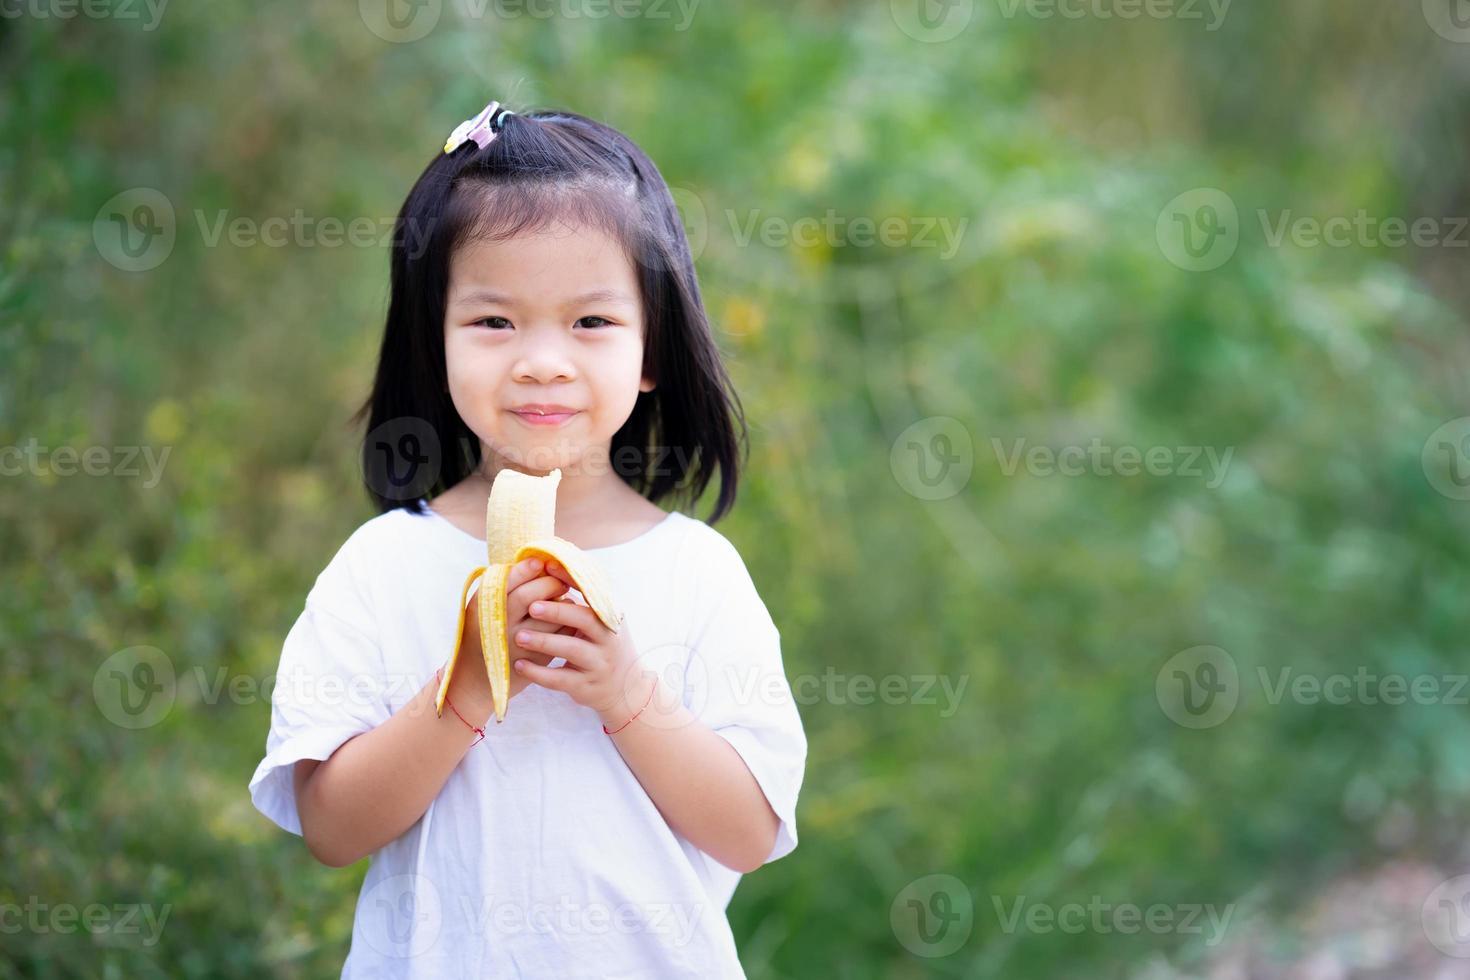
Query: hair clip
{"points": [[481, 128]]}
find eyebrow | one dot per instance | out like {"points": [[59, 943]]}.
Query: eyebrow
{"points": [[591, 296]]}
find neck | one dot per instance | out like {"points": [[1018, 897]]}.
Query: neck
{"points": [[583, 481]]}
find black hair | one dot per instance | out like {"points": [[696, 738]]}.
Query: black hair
{"points": [[542, 166]]}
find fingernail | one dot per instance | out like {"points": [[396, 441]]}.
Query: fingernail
{"points": [[537, 608], [523, 637], [520, 665], [535, 564]]}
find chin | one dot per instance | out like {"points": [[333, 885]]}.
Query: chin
{"points": [[539, 458]]}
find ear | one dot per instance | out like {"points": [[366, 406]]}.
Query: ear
{"points": [[646, 385]]}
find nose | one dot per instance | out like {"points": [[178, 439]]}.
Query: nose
{"points": [[543, 359]]}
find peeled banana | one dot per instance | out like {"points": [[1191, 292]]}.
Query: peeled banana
{"points": [[520, 523]]}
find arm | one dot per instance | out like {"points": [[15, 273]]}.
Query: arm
{"points": [[698, 781], [379, 783]]}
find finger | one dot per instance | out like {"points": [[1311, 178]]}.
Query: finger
{"points": [[515, 625], [556, 568], [522, 572], [543, 659], [575, 650], [559, 571], [568, 614], [516, 649], [551, 678], [544, 587], [543, 627]]}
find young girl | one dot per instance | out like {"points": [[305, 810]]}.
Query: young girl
{"points": [[544, 315]]}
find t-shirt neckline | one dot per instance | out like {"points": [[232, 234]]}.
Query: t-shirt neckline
{"points": [[460, 532]]}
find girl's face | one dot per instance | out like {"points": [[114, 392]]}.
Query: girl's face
{"points": [[549, 319]]}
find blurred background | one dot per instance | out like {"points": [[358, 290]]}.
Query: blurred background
{"points": [[1106, 369]]}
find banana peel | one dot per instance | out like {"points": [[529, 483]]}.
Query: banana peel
{"points": [[520, 523]]}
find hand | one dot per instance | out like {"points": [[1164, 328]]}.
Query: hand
{"points": [[601, 666], [469, 688], [527, 585]]}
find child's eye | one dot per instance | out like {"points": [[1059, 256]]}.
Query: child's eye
{"points": [[493, 322]]}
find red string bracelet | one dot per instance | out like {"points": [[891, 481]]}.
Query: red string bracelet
{"points": [[475, 728], [636, 713]]}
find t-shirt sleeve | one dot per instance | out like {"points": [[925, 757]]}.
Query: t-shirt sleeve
{"points": [[328, 688], [736, 684]]}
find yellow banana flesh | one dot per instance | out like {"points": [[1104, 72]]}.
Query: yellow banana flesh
{"points": [[520, 523]]}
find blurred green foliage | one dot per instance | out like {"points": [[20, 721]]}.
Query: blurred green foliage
{"points": [[1058, 319]]}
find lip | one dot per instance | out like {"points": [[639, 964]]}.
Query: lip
{"points": [[544, 415], [549, 408]]}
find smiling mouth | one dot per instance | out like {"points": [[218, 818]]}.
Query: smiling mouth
{"points": [[546, 418]]}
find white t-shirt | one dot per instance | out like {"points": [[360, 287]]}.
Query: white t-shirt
{"points": [[542, 856]]}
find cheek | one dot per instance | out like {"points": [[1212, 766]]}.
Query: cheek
{"points": [[472, 375], [468, 363], [454, 356], [617, 389]]}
